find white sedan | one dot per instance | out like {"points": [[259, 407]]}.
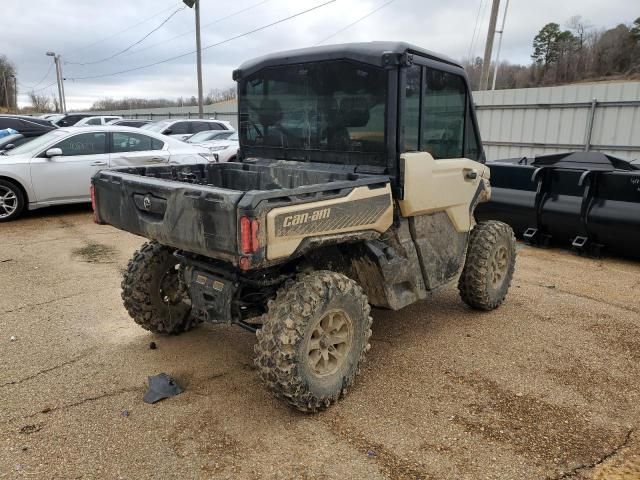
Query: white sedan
{"points": [[224, 147], [56, 168]]}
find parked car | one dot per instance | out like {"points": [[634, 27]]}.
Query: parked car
{"points": [[208, 135], [96, 120], [183, 128], [57, 167], [71, 119], [129, 122], [224, 149], [29, 127], [12, 141], [52, 117]]}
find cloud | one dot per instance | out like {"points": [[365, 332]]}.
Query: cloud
{"points": [[92, 29]]}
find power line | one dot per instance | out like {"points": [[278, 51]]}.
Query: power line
{"points": [[238, 12], [133, 44], [42, 80], [475, 29], [31, 90], [482, 17], [357, 21], [264, 27], [125, 30]]}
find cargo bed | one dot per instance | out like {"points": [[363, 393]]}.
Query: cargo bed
{"points": [[198, 208]]}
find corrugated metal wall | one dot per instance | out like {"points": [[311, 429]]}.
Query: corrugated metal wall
{"points": [[534, 121], [522, 122]]}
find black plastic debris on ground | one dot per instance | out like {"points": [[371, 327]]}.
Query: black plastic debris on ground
{"points": [[161, 386]]}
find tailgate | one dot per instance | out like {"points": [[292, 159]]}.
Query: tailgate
{"points": [[197, 218]]}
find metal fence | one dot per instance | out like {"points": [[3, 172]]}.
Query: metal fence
{"points": [[602, 117], [168, 114], [222, 110]]}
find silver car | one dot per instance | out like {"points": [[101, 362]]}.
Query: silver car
{"points": [[56, 168], [182, 128]]}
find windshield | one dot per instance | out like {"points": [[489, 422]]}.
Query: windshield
{"points": [[327, 106], [156, 126], [208, 135], [36, 144]]}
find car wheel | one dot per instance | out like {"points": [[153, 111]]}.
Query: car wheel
{"points": [[12, 201]]}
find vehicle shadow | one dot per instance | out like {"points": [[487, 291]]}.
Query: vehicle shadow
{"points": [[57, 211]]}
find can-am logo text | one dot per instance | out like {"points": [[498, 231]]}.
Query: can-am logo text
{"points": [[292, 220]]}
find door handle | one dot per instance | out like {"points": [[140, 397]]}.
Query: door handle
{"points": [[99, 164], [470, 174], [155, 160]]}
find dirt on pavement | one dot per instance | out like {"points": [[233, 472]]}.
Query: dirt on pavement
{"points": [[546, 387]]}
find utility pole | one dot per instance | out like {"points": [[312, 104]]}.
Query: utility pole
{"points": [[486, 64], [6, 92], [196, 4], [199, 57], [501, 32], [15, 92], [64, 97], [58, 78]]}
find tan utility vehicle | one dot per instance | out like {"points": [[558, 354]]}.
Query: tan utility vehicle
{"points": [[359, 172]]}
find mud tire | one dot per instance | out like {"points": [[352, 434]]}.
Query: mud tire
{"points": [[143, 296], [282, 350], [477, 285]]}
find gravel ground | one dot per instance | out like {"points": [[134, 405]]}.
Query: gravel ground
{"points": [[547, 386]]}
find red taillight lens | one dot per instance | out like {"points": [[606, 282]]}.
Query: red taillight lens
{"points": [[92, 190], [249, 235]]}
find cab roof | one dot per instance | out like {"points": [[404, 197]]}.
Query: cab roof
{"points": [[380, 54]]}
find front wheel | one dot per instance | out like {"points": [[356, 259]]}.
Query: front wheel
{"points": [[153, 293], [11, 201], [313, 339], [489, 266]]}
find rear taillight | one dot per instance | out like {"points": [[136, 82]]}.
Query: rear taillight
{"points": [[92, 189], [249, 235]]}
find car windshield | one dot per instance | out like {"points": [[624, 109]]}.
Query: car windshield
{"points": [[233, 137], [156, 126], [327, 106], [205, 136], [37, 143]]}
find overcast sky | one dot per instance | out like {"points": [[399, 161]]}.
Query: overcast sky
{"points": [[92, 30]]}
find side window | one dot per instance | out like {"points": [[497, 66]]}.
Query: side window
{"points": [[179, 128], [215, 126], [443, 114], [472, 145], [134, 142], [200, 126], [108, 119], [94, 121], [411, 120], [83, 144]]}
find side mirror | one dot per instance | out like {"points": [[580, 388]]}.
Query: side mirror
{"points": [[9, 146], [168, 131], [54, 152]]}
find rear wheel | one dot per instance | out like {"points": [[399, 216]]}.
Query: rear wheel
{"points": [[153, 292], [12, 201], [489, 266], [313, 340]]}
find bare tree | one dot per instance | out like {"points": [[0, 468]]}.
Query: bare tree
{"points": [[40, 103], [7, 93]]}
